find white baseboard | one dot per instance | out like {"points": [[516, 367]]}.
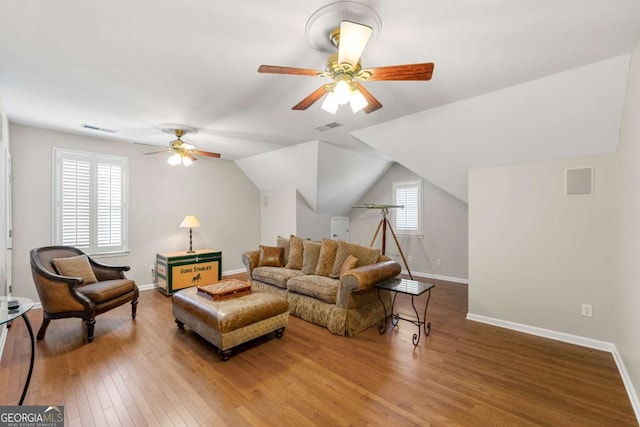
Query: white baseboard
{"points": [[628, 384], [438, 277], [571, 339], [236, 271]]}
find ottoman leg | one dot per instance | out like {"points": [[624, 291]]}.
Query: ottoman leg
{"points": [[279, 332], [224, 355], [180, 324]]}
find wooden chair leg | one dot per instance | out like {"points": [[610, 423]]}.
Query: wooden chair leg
{"points": [[43, 328], [134, 307], [91, 322]]}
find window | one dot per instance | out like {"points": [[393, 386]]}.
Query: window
{"points": [[90, 201], [408, 220]]}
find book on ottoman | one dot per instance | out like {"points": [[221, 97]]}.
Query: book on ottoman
{"points": [[224, 289]]}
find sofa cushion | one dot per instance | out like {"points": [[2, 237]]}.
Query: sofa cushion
{"points": [[75, 266], [310, 256], [283, 242], [295, 253], [348, 265], [319, 287], [271, 256], [276, 276], [327, 257], [365, 254]]}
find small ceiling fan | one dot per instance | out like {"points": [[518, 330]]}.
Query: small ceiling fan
{"points": [[182, 152], [346, 73]]}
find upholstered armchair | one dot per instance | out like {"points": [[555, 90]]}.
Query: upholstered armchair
{"points": [[72, 284]]}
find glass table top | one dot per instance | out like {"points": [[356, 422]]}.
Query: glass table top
{"points": [[405, 286], [7, 315]]}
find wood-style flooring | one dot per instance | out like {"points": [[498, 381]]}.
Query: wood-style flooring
{"points": [[149, 372]]}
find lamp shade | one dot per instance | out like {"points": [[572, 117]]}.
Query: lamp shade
{"points": [[189, 221]]}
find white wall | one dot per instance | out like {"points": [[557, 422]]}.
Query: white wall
{"points": [[444, 224], [5, 268], [536, 255], [310, 224], [626, 293], [277, 215], [216, 191]]}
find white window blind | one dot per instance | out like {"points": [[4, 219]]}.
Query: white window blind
{"points": [[90, 206], [408, 220]]}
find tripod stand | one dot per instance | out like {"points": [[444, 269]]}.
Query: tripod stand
{"points": [[385, 224]]}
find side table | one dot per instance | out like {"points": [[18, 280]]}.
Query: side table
{"points": [[408, 287], [7, 316]]}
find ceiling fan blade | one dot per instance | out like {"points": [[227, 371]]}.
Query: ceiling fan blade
{"points": [[309, 100], [399, 72], [353, 39], [205, 153], [372, 103], [190, 156], [275, 69], [157, 152]]}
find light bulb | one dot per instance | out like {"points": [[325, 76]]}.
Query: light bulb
{"points": [[186, 161], [357, 101], [174, 159], [342, 92], [330, 103]]}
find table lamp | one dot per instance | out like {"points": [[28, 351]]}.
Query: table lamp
{"points": [[191, 222]]}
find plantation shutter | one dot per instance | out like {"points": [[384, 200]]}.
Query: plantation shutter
{"points": [[90, 205], [76, 201], [110, 205], [408, 220]]}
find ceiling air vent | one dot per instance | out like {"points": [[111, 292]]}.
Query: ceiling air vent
{"points": [[98, 128], [328, 126]]}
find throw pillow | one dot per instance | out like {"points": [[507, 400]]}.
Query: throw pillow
{"points": [[365, 255], [271, 256], [75, 266], [295, 253], [328, 250], [348, 264], [284, 243], [310, 256]]}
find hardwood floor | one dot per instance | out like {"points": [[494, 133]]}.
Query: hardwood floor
{"points": [[148, 372]]}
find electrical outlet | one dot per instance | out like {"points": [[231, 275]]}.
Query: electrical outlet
{"points": [[587, 310], [438, 261], [409, 258]]}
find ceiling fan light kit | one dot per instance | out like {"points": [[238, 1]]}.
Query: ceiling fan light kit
{"points": [[347, 26], [181, 152]]}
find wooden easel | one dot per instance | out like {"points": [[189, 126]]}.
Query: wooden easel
{"points": [[385, 224]]}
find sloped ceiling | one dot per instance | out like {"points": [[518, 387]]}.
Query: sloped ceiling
{"points": [[131, 65], [331, 179], [569, 114]]}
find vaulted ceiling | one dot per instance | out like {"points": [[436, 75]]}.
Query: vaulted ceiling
{"points": [[131, 65]]}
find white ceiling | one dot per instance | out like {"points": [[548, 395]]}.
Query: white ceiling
{"points": [[131, 65]]}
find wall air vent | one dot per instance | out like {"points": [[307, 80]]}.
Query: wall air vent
{"points": [[328, 126], [98, 128], [578, 181]]}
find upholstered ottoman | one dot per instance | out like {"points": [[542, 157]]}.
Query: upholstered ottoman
{"points": [[233, 321]]}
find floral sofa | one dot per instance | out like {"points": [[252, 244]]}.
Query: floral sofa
{"points": [[329, 283]]}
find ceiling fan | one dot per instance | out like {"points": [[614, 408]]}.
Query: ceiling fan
{"points": [[344, 68], [182, 152]]}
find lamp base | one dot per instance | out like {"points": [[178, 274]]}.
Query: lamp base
{"points": [[191, 252]]}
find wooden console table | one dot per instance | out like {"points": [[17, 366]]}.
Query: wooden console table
{"points": [[179, 270]]}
